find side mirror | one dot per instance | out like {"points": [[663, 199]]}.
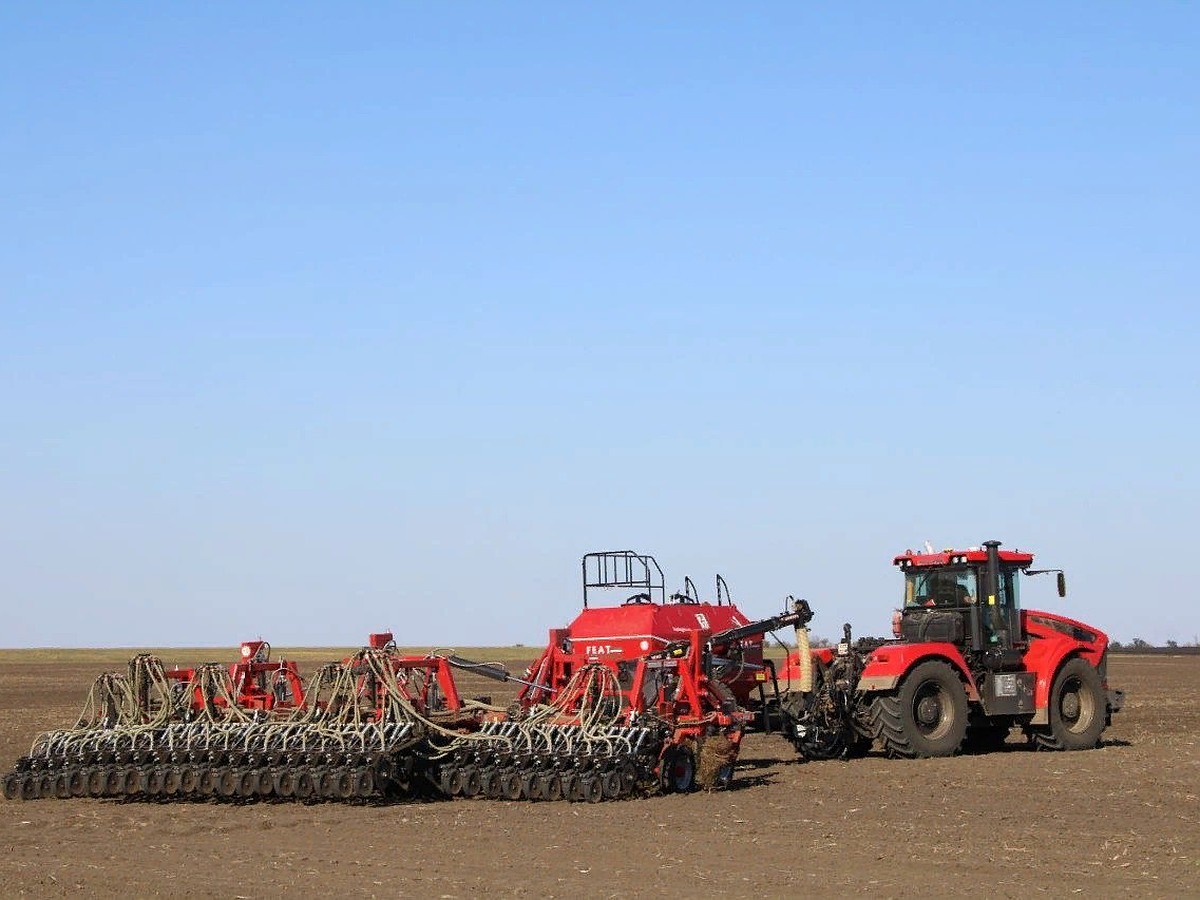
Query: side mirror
{"points": [[1062, 585]]}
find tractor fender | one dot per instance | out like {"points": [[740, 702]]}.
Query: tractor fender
{"points": [[1045, 659], [886, 667]]}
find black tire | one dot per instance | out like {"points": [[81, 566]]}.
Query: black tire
{"points": [[305, 785], [364, 782], [208, 782], [1077, 708], [927, 717], [131, 781], [285, 783], [472, 783], [590, 787], [345, 784], [510, 785], [530, 789], [489, 780], [78, 781], [226, 781], [613, 786], [188, 779], [678, 772]]}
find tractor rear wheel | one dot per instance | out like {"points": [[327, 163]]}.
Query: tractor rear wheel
{"points": [[1077, 707], [926, 717]]}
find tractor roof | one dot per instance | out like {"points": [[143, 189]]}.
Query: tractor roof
{"points": [[951, 557]]}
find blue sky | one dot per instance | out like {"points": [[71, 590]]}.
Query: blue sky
{"points": [[316, 322]]}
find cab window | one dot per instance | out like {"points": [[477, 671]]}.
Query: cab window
{"points": [[940, 587]]}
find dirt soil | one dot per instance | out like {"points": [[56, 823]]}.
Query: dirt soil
{"points": [[1121, 820]]}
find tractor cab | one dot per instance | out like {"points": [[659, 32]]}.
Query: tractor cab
{"points": [[971, 598]]}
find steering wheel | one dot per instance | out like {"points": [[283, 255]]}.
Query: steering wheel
{"points": [[637, 600], [684, 598]]}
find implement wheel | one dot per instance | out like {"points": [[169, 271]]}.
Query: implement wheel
{"points": [[12, 787], [550, 787], [678, 771]]}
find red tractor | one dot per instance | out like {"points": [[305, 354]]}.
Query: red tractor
{"points": [[966, 666]]}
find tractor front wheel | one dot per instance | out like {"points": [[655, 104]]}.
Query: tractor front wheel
{"points": [[1077, 707], [926, 717]]}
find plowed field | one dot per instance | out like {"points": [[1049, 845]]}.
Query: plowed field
{"points": [[1124, 819]]}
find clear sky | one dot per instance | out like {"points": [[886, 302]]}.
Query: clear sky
{"points": [[317, 321]]}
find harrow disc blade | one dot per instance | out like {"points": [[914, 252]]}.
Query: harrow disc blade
{"points": [[247, 783], [188, 780], [285, 783], [208, 782], [510, 785], [305, 786], [364, 783], [612, 786], [344, 784]]}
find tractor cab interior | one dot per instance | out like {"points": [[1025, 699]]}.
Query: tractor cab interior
{"points": [[956, 587]]}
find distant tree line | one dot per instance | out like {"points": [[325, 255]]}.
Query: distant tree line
{"points": [[1138, 645]]}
